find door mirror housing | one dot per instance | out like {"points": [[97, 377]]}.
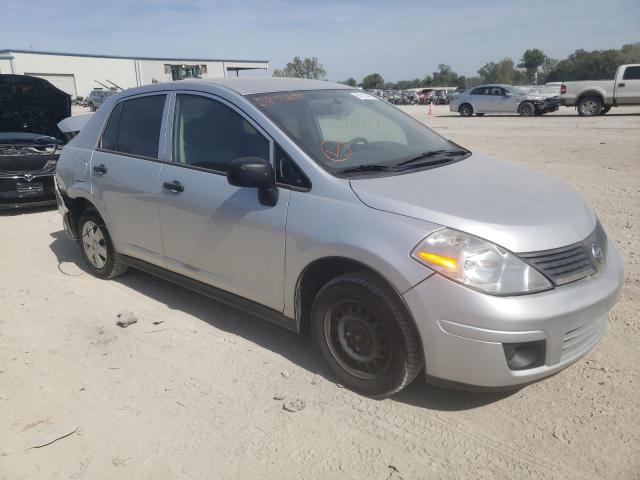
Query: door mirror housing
{"points": [[508, 93], [254, 172]]}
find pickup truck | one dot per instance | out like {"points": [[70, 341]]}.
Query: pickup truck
{"points": [[596, 97]]}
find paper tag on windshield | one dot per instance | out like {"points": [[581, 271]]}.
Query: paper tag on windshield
{"points": [[363, 96]]}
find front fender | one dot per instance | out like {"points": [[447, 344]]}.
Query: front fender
{"points": [[351, 230]]}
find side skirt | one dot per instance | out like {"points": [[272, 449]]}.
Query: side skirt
{"points": [[236, 301]]}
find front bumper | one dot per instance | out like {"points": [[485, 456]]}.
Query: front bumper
{"points": [[15, 192], [463, 331]]}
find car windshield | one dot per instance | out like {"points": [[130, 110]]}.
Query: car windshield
{"points": [[519, 90], [350, 129]]}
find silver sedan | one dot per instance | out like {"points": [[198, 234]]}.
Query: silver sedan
{"points": [[502, 99]]}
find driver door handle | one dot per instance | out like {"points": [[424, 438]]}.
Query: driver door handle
{"points": [[100, 169], [175, 186]]}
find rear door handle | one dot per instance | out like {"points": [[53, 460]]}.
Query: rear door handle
{"points": [[175, 186], [621, 84], [100, 169]]}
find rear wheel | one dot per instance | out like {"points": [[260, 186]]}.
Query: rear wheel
{"points": [[526, 109], [97, 250], [92, 107], [362, 330], [465, 110], [605, 110], [589, 106]]}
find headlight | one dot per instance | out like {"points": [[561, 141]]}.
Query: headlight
{"points": [[478, 263]]}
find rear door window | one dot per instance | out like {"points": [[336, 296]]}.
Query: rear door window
{"points": [[479, 91], [134, 127]]}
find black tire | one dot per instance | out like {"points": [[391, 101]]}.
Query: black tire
{"points": [[465, 110], [589, 106], [95, 245], [92, 107], [526, 109], [480, 114], [362, 330], [605, 110]]}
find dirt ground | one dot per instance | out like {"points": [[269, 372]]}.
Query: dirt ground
{"points": [[188, 391]]}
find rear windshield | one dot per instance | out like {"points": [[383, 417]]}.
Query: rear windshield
{"points": [[349, 128]]}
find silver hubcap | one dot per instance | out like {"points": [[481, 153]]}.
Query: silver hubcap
{"points": [[589, 107], [94, 244]]}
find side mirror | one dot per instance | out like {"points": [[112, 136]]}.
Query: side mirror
{"points": [[254, 172], [508, 94]]}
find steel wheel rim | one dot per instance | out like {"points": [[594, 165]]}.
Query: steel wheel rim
{"points": [[356, 339], [94, 244]]}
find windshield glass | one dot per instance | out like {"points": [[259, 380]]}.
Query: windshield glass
{"points": [[519, 90], [343, 129]]}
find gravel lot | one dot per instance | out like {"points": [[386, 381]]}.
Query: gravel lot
{"points": [[188, 391]]}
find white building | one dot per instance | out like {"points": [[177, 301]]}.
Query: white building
{"points": [[77, 74]]}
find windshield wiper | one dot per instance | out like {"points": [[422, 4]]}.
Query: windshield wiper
{"points": [[368, 168], [433, 153]]}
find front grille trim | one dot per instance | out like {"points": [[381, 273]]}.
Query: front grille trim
{"points": [[570, 263]]}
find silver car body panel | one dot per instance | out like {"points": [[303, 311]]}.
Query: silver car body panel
{"points": [[486, 197], [227, 239]]}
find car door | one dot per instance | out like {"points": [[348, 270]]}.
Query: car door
{"points": [[124, 175], [501, 102], [214, 232], [628, 88], [479, 100]]}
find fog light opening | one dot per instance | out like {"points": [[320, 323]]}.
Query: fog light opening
{"points": [[521, 356]]}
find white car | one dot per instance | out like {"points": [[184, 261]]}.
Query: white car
{"points": [[501, 99]]}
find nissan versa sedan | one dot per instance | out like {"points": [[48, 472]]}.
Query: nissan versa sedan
{"points": [[502, 99], [325, 209]]}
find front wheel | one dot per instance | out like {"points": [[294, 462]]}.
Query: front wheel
{"points": [[589, 106], [363, 332], [526, 109]]}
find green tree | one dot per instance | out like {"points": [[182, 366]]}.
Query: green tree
{"points": [[594, 65], [298, 68], [631, 53], [531, 61], [350, 81], [372, 81], [405, 84], [501, 72]]}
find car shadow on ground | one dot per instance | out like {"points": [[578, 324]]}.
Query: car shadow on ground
{"points": [[296, 348]]}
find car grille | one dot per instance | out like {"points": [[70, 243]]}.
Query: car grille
{"points": [[568, 264]]}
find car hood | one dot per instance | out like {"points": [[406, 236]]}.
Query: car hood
{"points": [[517, 208], [32, 105]]}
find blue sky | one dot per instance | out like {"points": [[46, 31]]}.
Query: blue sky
{"points": [[400, 39]]}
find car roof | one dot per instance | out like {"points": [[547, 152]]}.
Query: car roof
{"points": [[247, 86]]}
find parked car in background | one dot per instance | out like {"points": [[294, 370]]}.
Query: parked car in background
{"points": [[96, 97], [324, 209], [596, 97], [501, 99], [30, 108]]}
